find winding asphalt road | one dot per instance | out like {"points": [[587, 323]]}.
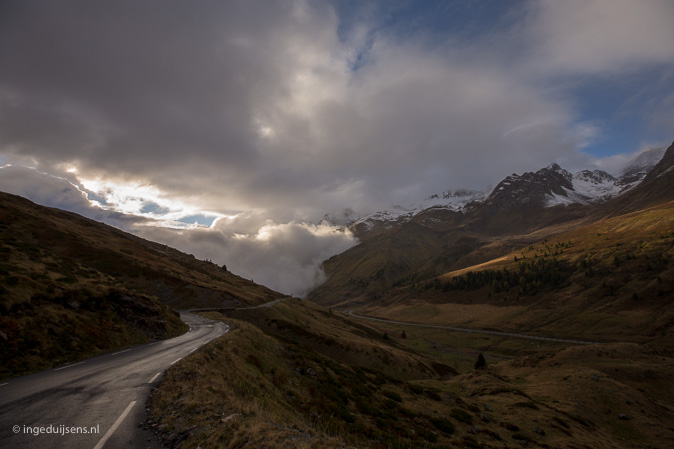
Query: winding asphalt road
{"points": [[104, 396], [476, 331]]}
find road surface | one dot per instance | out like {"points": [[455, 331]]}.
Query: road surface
{"points": [[476, 331], [96, 403]]}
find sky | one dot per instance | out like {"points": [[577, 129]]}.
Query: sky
{"points": [[228, 129]]}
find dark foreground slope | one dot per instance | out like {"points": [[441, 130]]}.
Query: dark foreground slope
{"points": [[296, 375], [71, 287]]}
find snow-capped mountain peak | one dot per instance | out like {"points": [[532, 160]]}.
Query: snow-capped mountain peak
{"points": [[547, 187], [451, 200]]}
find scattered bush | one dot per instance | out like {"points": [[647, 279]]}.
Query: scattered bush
{"points": [[481, 362], [443, 425], [462, 416]]}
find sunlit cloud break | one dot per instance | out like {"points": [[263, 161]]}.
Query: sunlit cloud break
{"points": [[147, 201]]}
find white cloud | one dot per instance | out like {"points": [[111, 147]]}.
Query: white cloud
{"points": [[599, 36], [616, 163], [286, 257]]}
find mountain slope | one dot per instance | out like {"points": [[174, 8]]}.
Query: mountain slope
{"points": [[71, 287], [657, 187], [611, 280], [521, 210]]}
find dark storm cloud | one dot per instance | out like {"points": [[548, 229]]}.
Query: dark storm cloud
{"points": [[150, 89], [248, 102], [259, 103]]}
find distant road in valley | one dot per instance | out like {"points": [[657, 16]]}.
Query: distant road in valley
{"points": [[104, 395], [476, 331]]}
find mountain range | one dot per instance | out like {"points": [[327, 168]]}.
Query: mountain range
{"points": [[455, 230], [549, 186]]}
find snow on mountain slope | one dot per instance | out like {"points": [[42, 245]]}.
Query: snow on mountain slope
{"points": [[451, 200], [587, 187], [549, 186], [598, 186]]}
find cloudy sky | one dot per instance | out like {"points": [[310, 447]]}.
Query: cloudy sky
{"points": [[227, 128]]}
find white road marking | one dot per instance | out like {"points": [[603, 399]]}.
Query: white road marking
{"points": [[126, 350], [2, 385], [68, 366], [155, 343], [193, 350], [112, 429], [153, 378], [176, 361]]}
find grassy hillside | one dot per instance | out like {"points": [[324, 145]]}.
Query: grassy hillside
{"points": [[428, 246], [71, 287], [612, 280], [372, 267], [338, 338], [297, 375], [178, 279], [279, 386]]}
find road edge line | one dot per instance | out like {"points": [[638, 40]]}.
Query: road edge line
{"points": [[114, 427], [68, 366]]}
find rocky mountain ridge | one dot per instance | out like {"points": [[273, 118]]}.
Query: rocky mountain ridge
{"points": [[548, 187], [397, 249]]}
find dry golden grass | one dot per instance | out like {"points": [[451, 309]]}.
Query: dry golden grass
{"points": [[77, 247], [251, 389], [619, 288], [333, 335]]}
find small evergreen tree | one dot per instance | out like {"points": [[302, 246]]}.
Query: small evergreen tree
{"points": [[481, 362], [385, 336], [403, 335]]}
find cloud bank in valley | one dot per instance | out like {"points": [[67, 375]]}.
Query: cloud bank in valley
{"points": [[283, 111], [284, 256]]}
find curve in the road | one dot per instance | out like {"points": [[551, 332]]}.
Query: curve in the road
{"points": [[94, 403]]}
